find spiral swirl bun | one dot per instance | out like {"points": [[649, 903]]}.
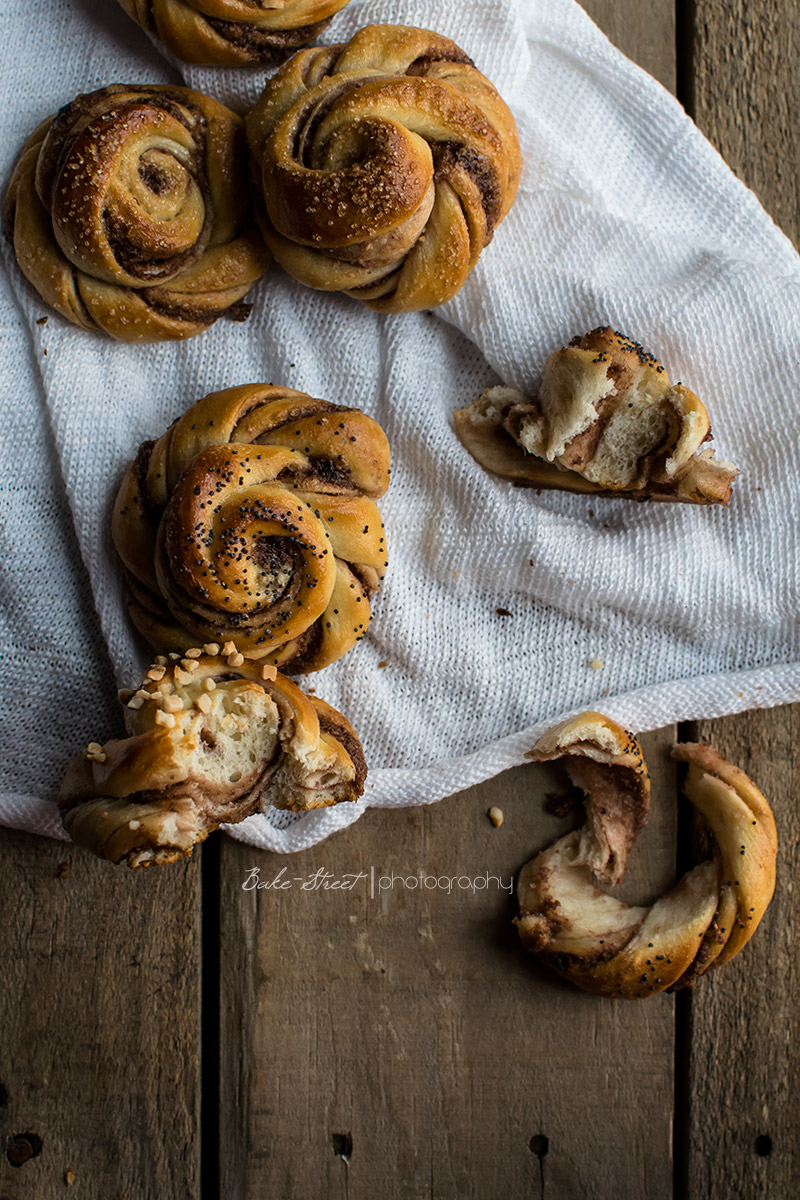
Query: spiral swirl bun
{"points": [[129, 212], [232, 32], [253, 518], [386, 165]]}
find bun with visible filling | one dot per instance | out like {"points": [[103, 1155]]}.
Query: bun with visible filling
{"points": [[614, 949], [606, 421], [213, 738]]}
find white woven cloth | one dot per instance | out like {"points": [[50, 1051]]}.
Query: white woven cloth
{"points": [[625, 215]]}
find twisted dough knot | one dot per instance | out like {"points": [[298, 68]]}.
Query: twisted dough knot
{"points": [[614, 949], [212, 739], [386, 165], [130, 212], [232, 31], [253, 518]]}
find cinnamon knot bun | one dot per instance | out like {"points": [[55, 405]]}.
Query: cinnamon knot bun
{"points": [[614, 949], [606, 421], [232, 32], [129, 212], [386, 165], [212, 738], [254, 518]]}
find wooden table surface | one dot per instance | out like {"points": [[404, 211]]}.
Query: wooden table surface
{"points": [[167, 1034]]}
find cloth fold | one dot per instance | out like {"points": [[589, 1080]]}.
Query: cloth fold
{"points": [[625, 216]]}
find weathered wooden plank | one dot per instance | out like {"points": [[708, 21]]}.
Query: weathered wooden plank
{"points": [[403, 1045], [99, 1025], [743, 1129], [645, 32], [746, 95], [743, 1071], [396, 1041]]}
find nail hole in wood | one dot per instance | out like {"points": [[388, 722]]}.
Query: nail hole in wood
{"points": [[3, 1095], [764, 1145], [539, 1145], [23, 1146], [342, 1145]]}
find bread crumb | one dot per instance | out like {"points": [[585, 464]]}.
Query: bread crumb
{"points": [[69, 1177], [383, 663], [596, 664], [496, 816]]}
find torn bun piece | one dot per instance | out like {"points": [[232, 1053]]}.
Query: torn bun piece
{"points": [[129, 212], [233, 32], [213, 738], [384, 166], [606, 421], [253, 518], [613, 949]]}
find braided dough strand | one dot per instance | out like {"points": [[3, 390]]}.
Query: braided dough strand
{"points": [[613, 949]]}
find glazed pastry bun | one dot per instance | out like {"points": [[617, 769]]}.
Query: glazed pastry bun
{"points": [[253, 518], [232, 32], [129, 212], [385, 166]]}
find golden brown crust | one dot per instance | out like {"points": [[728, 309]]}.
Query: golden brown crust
{"points": [[612, 949], [213, 738], [254, 518], [607, 421], [385, 164], [233, 32], [129, 212]]}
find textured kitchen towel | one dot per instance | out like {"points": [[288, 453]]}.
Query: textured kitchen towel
{"points": [[625, 215]]}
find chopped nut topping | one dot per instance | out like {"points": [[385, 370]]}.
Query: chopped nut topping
{"points": [[204, 703], [134, 824], [269, 672], [172, 704], [156, 673], [190, 664], [229, 648], [165, 718], [136, 702], [160, 660], [209, 684], [195, 652], [235, 659], [496, 816], [596, 664], [211, 648]]}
